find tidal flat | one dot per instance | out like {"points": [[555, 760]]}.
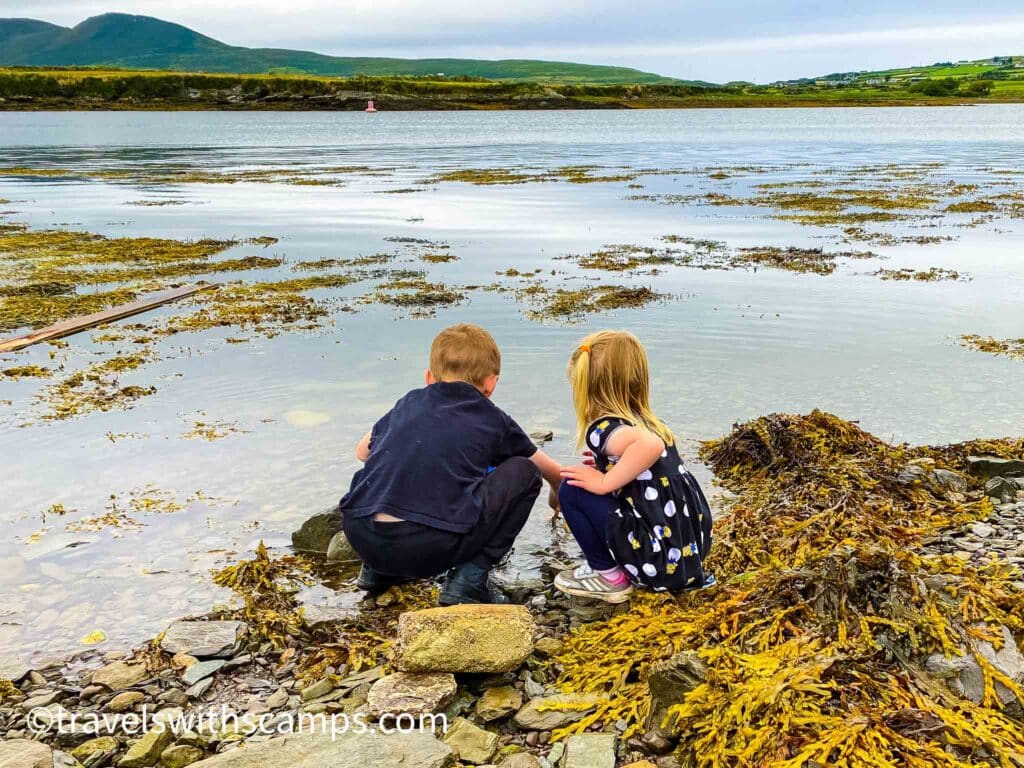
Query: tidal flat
{"points": [[867, 262]]}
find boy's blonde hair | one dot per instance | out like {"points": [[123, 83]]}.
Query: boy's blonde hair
{"points": [[610, 377], [464, 352]]}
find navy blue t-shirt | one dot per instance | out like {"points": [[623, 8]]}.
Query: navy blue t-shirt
{"points": [[429, 454]]}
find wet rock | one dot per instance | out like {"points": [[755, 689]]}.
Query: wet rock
{"points": [[180, 755], [470, 742], [591, 750], [23, 753], [340, 551], [120, 675], [542, 436], [415, 693], [670, 681], [465, 638], [521, 760], [105, 746], [201, 671], [347, 750], [1002, 488], [204, 639], [318, 689], [963, 674], [41, 699], [993, 466], [12, 668], [571, 707], [496, 703], [277, 699], [315, 535], [147, 750], [546, 647], [200, 688], [125, 701]]}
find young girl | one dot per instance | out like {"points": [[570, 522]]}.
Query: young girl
{"points": [[639, 516]]}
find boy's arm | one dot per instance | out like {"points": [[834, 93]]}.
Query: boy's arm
{"points": [[637, 449], [363, 449], [551, 471]]}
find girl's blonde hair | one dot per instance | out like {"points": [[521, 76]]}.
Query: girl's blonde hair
{"points": [[610, 377]]}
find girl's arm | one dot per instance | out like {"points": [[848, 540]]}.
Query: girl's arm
{"points": [[363, 449], [637, 448]]}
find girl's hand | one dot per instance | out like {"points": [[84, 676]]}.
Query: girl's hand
{"points": [[587, 478]]}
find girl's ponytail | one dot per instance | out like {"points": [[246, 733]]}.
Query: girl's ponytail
{"points": [[579, 378]]}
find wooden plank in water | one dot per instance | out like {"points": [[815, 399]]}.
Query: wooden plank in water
{"points": [[76, 324]]}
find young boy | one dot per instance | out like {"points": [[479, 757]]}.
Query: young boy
{"points": [[449, 478]]}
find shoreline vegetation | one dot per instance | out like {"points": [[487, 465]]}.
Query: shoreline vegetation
{"points": [[868, 613], [84, 89]]}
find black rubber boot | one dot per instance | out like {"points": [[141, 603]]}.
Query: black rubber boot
{"points": [[375, 582], [467, 583]]}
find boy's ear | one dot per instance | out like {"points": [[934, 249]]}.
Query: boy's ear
{"points": [[489, 385], [428, 378]]}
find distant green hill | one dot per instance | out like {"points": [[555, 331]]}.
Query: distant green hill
{"points": [[142, 42]]}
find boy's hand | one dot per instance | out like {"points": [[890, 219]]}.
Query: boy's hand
{"points": [[588, 478], [553, 501]]}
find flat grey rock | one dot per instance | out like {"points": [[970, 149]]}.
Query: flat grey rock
{"points": [[204, 639], [349, 750], [201, 671]]}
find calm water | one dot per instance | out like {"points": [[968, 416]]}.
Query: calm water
{"points": [[729, 346]]}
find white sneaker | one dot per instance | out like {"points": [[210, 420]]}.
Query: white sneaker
{"points": [[584, 582]]}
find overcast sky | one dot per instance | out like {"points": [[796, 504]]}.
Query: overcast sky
{"points": [[716, 40]]}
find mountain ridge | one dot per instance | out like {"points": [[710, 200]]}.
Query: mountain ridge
{"points": [[143, 42]]}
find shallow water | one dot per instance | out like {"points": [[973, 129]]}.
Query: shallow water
{"points": [[728, 345]]}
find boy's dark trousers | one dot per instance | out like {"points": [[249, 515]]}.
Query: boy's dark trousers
{"points": [[415, 551]]}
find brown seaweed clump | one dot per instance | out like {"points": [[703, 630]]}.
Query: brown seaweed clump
{"points": [[575, 304], [1007, 347], [810, 651], [792, 259], [96, 388], [930, 275], [26, 372]]}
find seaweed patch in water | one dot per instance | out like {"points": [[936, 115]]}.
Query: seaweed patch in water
{"points": [[1013, 348], [814, 260], [26, 372], [930, 275], [96, 388], [415, 293], [972, 206], [438, 258], [565, 304], [212, 430]]}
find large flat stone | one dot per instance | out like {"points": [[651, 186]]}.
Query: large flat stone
{"points": [[204, 639], [23, 753], [349, 750], [465, 638], [993, 466]]}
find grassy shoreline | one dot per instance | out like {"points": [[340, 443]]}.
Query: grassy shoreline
{"points": [[32, 89]]}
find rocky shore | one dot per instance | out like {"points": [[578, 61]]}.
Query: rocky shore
{"points": [[333, 682]]}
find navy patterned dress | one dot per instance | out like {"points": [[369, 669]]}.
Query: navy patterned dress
{"points": [[659, 527]]}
